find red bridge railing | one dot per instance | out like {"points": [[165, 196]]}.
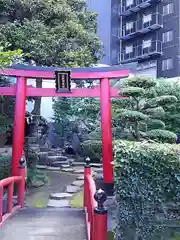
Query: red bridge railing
{"points": [[9, 183], [96, 213]]}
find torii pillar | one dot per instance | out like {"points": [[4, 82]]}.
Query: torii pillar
{"points": [[18, 125]]}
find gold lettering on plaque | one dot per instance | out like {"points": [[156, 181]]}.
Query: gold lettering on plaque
{"points": [[63, 81]]}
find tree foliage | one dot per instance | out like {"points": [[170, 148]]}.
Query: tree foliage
{"points": [[144, 113], [7, 57], [52, 33], [171, 115]]}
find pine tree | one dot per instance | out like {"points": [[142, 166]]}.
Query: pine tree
{"points": [[142, 117]]}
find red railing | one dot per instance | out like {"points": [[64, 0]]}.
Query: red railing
{"points": [[9, 183], [96, 214]]}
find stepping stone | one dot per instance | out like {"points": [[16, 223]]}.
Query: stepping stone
{"points": [[65, 166], [96, 165], [59, 164], [72, 189], [100, 170], [58, 203], [78, 164], [78, 183], [60, 196], [38, 184], [54, 168], [81, 171], [67, 169], [71, 159], [44, 149], [57, 158], [41, 167], [81, 177]]}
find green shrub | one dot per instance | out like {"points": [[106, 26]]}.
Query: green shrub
{"points": [[5, 167], [34, 175], [147, 178], [92, 149]]}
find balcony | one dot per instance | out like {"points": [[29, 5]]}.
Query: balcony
{"points": [[135, 7], [142, 26], [141, 52]]}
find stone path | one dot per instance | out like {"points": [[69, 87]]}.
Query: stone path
{"points": [[66, 180], [62, 199]]}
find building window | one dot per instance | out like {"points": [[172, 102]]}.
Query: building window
{"points": [[168, 9], [147, 43], [129, 3], [129, 49], [167, 64], [147, 18], [129, 25], [167, 36]]}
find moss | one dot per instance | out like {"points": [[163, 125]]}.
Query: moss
{"points": [[77, 200], [110, 236], [40, 204]]}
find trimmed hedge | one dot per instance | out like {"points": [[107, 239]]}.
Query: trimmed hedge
{"points": [[5, 167], [147, 178], [92, 149]]}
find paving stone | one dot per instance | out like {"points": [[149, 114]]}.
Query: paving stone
{"points": [[54, 168], [78, 164], [99, 170], [41, 166], [72, 189], [81, 171], [60, 196], [65, 166], [67, 169], [32, 139], [96, 165], [44, 149], [61, 162], [80, 177], [79, 183], [57, 158], [58, 203], [37, 183]]}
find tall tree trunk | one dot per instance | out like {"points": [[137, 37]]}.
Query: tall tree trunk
{"points": [[37, 103]]}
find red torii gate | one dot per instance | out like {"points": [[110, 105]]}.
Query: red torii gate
{"points": [[104, 92]]}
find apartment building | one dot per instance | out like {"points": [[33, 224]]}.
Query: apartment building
{"points": [[148, 33]]}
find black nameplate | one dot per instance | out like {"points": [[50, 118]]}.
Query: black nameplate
{"points": [[63, 81]]}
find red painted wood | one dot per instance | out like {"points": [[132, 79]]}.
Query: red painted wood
{"points": [[87, 225], [18, 126], [100, 227], [50, 92], [10, 197], [8, 91], [21, 188], [106, 128], [89, 202], [1, 203], [74, 75], [10, 183], [7, 181], [87, 171]]}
